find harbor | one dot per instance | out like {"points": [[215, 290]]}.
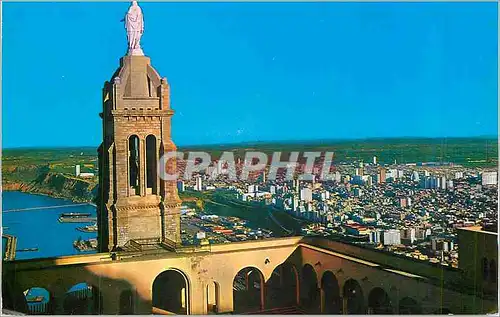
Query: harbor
{"points": [[10, 247], [33, 221]]}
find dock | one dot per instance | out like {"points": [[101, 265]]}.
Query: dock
{"points": [[10, 247]]}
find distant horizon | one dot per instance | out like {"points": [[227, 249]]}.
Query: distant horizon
{"points": [[311, 141]]}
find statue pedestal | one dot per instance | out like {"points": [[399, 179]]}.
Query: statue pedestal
{"points": [[136, 52]]}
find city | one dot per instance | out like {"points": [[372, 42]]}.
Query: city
{"points": [[408, 209]]}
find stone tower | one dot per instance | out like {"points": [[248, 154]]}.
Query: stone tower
{"points": [[135, 207]]}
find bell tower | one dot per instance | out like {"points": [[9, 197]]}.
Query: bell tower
{"points": [[136, 208]]}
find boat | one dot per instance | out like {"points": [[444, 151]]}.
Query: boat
{"points": [[76, 217], [35, 299], [75, 214], [27, 250], [89, 228]]}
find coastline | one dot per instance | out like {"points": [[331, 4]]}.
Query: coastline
{"points": [[36, 190]]}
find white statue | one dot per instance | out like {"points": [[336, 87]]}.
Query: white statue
{"points": [[134, 23]]}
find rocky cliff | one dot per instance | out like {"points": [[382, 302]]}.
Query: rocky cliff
{"points": [[50, 183]]}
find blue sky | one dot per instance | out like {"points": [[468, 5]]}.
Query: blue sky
{"points": [[257, 71]]}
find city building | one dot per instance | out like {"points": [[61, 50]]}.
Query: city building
{"points": [[306, 194], [375, 237], [489, 178], [382, 176], [199, 184], [391, 237]]}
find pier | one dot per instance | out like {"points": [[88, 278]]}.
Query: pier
{"points": [[10, 247], [49, 207]]}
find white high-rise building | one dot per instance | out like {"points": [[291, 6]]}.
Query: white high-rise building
{"points": [[199, 184], [415, 176], [374, 160], [443, 182], [220, 166], [306, 194], [459, 175], [392, 237], [450, 184], [392, 173], [338, 177], [77, 170], [401, 174], [489, 178], [253, 189]]}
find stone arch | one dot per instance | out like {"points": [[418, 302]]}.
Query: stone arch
{"points": [[39, 300], [379, 302], [213, 297], [248, 290], [282, 288], [354, 301], [171, 292], [83, 299], [134, 163], [331, 293], [151, 162], [309, 290], [409, 306], [13, 297]]}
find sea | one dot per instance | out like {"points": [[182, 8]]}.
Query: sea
{"points": [[40, 228]]}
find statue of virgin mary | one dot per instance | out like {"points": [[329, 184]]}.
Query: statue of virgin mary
{"points": [[134, 23]]}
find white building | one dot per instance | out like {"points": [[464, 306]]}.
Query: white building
{"points": [[443, 182], [253, 189], [77, 170], [392, 237], [199, 184], [374, 160], [306, 194], [489, 178], [393, 173], [401, 174], [450, 184]]}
